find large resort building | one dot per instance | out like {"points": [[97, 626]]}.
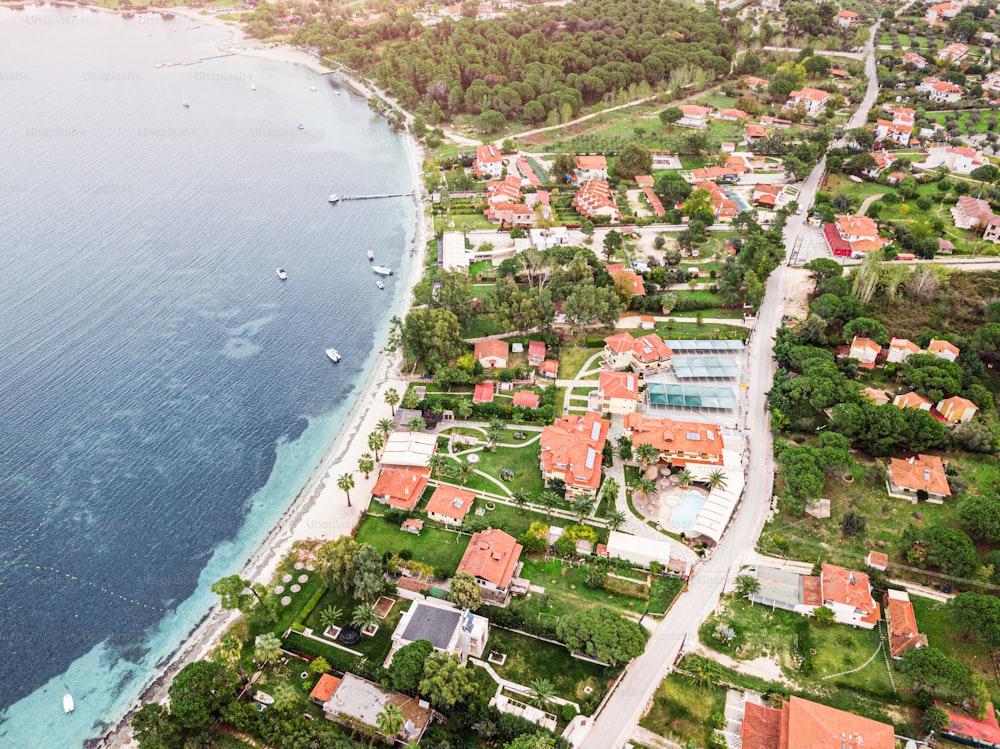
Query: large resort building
{"points": [[571, 451]]}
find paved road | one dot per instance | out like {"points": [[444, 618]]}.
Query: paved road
{"points": [[622, 712]]}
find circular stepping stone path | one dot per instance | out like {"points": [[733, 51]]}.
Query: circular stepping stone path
{"points": [[285, 600], [286, 579], [303, 578], [279, 589], [299, 565], [295, 588]]}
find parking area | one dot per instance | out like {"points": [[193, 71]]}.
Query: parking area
{"points": [[809, 244]]}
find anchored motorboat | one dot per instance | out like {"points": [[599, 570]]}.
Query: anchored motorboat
{"points": [[382, 270], [332, 353], [282, 275]]}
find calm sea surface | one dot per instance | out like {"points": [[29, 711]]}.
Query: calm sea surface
{"points": [[163, 396]]}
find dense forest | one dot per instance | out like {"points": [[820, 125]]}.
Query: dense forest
{"points": [[538, 64]]}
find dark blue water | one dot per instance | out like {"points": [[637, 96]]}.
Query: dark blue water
{"points": [[163, 396]]}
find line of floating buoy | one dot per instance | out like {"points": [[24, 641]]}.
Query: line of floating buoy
{"points": [[30, 537]]}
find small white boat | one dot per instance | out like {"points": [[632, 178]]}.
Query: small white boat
{"points": [[380, 284], [336, 92], [334, 198], [282, 275], [382, 270], [332, 353], [312, 88], [371, 255], [263, 698], [68, 704], [187, 105], [301, 126]]}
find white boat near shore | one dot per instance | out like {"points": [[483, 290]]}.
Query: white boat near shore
{"points": [[332, 353], [380, 284], [334, 198], [68, 705], [281, 274], [382, 270], [371, 255]]}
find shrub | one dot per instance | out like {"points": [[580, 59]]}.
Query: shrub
{"points": [[568, 713], [405, 554]]}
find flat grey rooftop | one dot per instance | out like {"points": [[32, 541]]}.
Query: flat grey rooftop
{"points": [[431, 623]]}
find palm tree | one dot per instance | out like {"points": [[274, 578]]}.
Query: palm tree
{"points": [[464, 469], [364, 616], [610, 491], [392, 399], [520, 500], [747, 585], [416, 424], [229, 652], [463, 409], [267, 648], [646, 487], [345, 483], [583, 506], [366, 464], [376, 441], [717, 480], [285, 696], [493, 434], [439, 464], [704, 672], [616, 519], [548, 499], [389, 722], [685, 478], [646, 454], [386, 426], [329, 616], [542, 692]]}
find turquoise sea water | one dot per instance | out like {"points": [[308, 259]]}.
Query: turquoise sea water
{"points": [[163, 396]]}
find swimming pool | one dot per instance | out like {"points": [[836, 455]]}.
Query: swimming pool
{"points": [[683, 517]]}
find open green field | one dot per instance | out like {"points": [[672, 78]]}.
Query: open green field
{"points": [[683, 711], [572, 358], [523, 461], [438, 548], [968, 122], [565, 588], [529, 659], [374, 648]]}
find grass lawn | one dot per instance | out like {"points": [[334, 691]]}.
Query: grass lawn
{"points": [[712, 313], [287, 614], [571, 358], [763, 632], [482, 325], [529, 659], [437, 548], [662, 594], [523, 461], [566, 591], [507, 518], [682, 710], [673, 329], [374, 648]]}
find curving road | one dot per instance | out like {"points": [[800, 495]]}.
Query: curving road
{"points": [[626, 705]]}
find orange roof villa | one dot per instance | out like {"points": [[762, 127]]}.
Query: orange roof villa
{"points": [[571, 451], [679, 442], [401, 486], [492, 558]]}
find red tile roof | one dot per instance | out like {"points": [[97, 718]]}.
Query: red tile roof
{"points": [[536, 349], [450, 501], [401, 485], [902, 623], [911, 400], [962, 724], [654, 201], [623, 385], [617, 270], [954, 408], [670, 436], [491, 347], [483, 393], [526, 398], [591, 162], [939, 346], [325, 688], [877, 559], [491, 555], [761, 727], [924, 472], [865, 343], [549, 366], [847, 587], [810, 725], [571, 448]]}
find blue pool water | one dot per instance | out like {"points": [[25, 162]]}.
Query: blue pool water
{"points": [[684, 515]]}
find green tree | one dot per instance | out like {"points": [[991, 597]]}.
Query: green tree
{"points": [[386, 427], [979, 516], [319, 666], [532, 741], [542, 692], [823, 616], [670, 115], [583, 506], [602, 634], [747, 585], [446, 682], [685, 478], [286, 697], [329, 616], [389, 721], [465, 593], [633, 159], [672, 188], [391, 399], [407, 667], [416, 424], [852, 524], [646, 454], [548, 499], [494, 433], [366, 464], [616, 519], [376, 441], [154, 728], [935, 719], [613, 242], [236, 592], [364, 616], [267, 648], [369, 582], [335, 563], [345, 482], [717, 479], [979, 614], [200, 693], [645, 487], [930, 669], [564, 166]]}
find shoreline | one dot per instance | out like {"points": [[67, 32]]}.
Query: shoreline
{"points": [[319, 510]]}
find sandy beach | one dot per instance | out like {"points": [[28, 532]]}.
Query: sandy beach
{"points": [[320, 510]]}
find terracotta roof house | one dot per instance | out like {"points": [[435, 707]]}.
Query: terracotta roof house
{"points": [[878, 397], [492, 353], [489, 162], [753, 82], [912, 400], [400, 486], [766, 195], [645, 180], [811, 99], [954, 52], [917, 61], [590, 167], [877, 560], [654, 201], [801, 724], [724, 207], [865, 350], [919, 473], [846, 18], [900, 348], [971, 731], [527, 399], [549, 368], [940, 91], [941, 10], [633, 279], [731, 115], [945, 246], [849, 595], [971, 213], [536, 352], [594, 199], [901, 622], [492, 558], [449, 504], [679, 442], [957, 409], [644, 354], [483, 393], [506, 190], [571, 451], [754, 133], [943, 349], [618, 392], [324, 689], [357, 702], [695, 116]]}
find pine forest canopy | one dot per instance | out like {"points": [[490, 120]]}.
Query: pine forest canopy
{"points": [[531, 63]]}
